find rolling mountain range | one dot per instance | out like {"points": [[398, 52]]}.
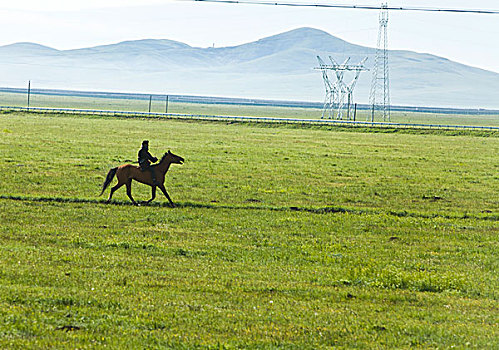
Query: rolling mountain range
{"points": [[277, 67]]}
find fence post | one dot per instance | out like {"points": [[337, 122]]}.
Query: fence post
{"points": [[150, 101], [348, 108], [29, 91]]}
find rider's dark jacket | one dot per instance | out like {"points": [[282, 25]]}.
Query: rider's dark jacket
{"points": [[145, 158]]}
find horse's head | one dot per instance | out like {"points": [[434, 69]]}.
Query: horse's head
{"points": [[172, 158]]}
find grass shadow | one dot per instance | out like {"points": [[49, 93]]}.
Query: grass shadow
{"points": [[320, 210]]}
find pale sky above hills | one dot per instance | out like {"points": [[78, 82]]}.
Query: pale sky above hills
{"points": [[466, 38]]}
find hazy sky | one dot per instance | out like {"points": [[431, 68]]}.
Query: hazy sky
{"points": [[64, 24]]}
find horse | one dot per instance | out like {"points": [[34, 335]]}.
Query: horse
{"points": [[128, 172]]}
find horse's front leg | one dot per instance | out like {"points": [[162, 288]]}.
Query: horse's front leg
{"points": [[163, 189], [153, 194], [129, 191]]}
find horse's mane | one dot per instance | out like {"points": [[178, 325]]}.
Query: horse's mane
{"points": [[163, 158]]}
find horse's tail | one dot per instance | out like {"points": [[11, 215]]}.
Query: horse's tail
{"points": [[109, 178]]}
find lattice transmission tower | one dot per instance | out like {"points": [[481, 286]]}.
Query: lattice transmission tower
{"points": [[339, 94], [379, 98]]}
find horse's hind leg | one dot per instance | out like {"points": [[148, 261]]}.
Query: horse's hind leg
{"points": [[153, 192], [129, 191], [114, 188]]}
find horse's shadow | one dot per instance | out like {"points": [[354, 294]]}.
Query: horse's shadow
{"points": [[127, 203], [164, 204]]}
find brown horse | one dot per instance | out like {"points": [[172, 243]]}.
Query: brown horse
{"points": [[128, 172]]}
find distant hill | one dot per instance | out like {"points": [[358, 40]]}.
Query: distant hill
{"points": [[276, 67]]}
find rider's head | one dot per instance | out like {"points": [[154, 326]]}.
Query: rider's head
{"points": [[145, 144]]}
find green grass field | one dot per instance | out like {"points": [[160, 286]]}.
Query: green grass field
{"points": [[282, 237]]}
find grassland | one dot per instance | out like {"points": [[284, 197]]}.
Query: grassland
{"points": [[135, 105], [283, 237]]}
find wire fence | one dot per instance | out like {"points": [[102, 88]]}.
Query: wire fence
{"points": [[349, 123], [240, 109]]}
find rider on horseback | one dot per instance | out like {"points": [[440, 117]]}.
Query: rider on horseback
{"points": [[145, 159]]}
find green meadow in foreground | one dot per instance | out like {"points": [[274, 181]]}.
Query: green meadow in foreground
{"points": [[282, 237]]}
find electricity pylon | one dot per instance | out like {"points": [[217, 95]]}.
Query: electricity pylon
{"points": [[379, 98], [339, 93]]}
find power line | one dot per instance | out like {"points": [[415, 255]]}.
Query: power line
{"points": [[360, 7]]}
